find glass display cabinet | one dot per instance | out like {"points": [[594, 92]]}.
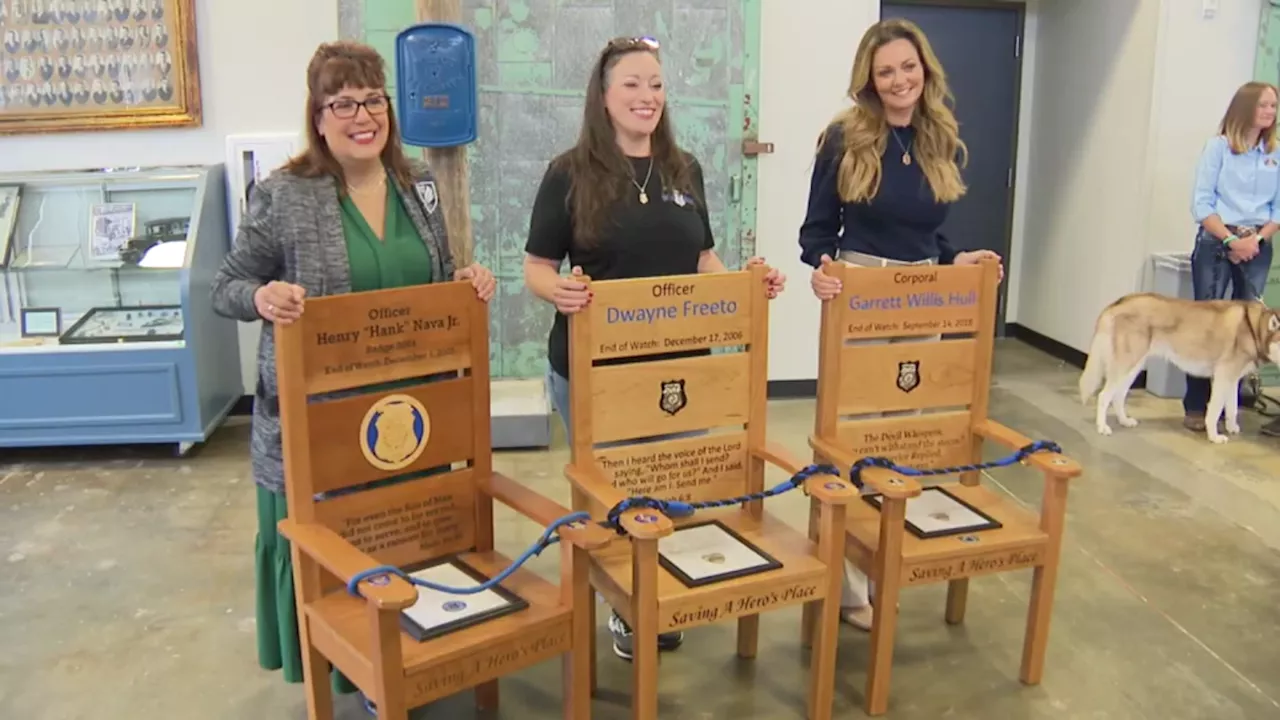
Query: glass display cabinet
{"points": [[107, 330]]}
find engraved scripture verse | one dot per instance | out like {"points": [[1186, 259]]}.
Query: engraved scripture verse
{"points": [[918, 447], [423, 524], [674, 474]]}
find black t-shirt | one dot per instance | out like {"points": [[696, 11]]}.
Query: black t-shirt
{"points": [[663, 237]]}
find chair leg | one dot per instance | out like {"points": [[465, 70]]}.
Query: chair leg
{"points": [[810, 613], [487, 696], [1036, 641], [884, 626], [315, 673], [644, 636], [957, 600], [591, 640], [748, 636], [579, 670]]}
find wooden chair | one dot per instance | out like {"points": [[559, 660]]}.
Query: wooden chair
{"points": [[949, 378], [428, 430], [623, 398]]}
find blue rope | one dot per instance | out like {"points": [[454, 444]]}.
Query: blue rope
{"points": [[677, 509], [548, 539], [855, 472]]}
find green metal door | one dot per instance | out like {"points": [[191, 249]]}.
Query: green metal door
{"points": [[534, 58]]}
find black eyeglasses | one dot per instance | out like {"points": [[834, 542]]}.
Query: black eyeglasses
{"points": [[346, 108]]}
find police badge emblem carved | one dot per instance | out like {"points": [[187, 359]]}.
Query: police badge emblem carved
{"points": [[908, 375], [673, 398]]}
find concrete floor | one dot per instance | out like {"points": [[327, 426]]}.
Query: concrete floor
{"points": [[125, 588]]}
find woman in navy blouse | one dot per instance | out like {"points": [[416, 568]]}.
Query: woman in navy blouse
{"points": [[887, 170], [1236, 202]]}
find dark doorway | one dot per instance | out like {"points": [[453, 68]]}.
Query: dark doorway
{"points": [[980, 45]]}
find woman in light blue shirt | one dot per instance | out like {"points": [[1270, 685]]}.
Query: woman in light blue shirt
{"points": [[1237, 203]]}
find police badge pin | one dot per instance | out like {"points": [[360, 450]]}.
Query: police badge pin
{"points": [[673, 398], [908, 375], [427, 194]]}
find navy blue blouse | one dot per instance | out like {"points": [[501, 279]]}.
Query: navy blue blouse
{"points": [[900, 223]]}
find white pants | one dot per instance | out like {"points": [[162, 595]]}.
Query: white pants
{"points": [[856, 591]]}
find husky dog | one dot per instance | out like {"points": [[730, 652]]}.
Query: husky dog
{"points": [[1223, 340]]}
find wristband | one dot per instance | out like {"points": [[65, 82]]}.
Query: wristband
{"points": [[1227, 240]]}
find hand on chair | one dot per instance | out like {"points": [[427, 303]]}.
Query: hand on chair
{"points": [[481, 279], [775, 279], [824, 286], [973, 257], [571, 294]]}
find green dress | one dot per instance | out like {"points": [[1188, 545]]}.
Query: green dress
{"points": [[401, 258]]}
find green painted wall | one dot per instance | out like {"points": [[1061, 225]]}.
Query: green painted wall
{"points": [[533, 61]]}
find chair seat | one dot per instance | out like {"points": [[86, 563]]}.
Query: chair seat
{"points": [[342, 629], [799, 580], [1019, 543]]}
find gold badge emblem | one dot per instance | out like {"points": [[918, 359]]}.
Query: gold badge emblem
{"points": [[394, 432]]}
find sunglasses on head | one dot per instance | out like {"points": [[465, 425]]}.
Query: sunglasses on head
{"points": [[645, 42]]}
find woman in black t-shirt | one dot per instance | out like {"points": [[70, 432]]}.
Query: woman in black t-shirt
{"points": [[624, 202]]}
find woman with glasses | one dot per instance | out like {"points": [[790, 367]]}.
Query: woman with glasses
{"points": [[351, 213], [624, 202]]}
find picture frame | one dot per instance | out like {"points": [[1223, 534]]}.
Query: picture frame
{"points": [[437, 613], [134, 323], [10, 203], [41, 322], [67, 66], [686, 557], [969, 519]]}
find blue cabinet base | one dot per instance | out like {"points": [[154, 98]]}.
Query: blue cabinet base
{"points": [[110, 396]]}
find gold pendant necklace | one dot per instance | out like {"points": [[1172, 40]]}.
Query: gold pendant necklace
{"points": [[644, 196], [906, 151]]}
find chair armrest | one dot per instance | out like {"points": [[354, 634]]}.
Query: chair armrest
{"points": [[816, 486], [545, 511], [593, 481], [1055, 464], [779, 457], [342, 559], [886, 482]]}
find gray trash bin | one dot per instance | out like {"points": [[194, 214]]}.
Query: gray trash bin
{"points": [[1171, 275]]}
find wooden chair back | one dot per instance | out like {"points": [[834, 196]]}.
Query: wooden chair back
{"points": [[879, 354], [622, 397], [384, 412]]}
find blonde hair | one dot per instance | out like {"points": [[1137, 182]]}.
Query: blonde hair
{"points": [[1237, 122], [938, 147]]}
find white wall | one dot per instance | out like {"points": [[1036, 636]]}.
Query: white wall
{"points": [[1115, 135], [253, 79], [804, 73]]}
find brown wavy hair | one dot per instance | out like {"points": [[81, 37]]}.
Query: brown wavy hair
{"points": [[335, 66], [598, 170], [1237, 122], [938, 147]]}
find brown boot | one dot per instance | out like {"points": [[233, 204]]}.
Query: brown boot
{"points": [[1194, 422]]}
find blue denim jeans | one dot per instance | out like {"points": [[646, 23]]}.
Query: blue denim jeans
{"points": [[1211, 274]]}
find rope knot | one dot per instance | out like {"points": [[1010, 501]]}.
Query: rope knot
{"points": [[855, 470], [644, 501], [1032, 448]]}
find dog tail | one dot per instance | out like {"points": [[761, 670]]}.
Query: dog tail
{"points": [[1095, 367]]}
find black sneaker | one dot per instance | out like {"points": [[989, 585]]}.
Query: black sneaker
{"points": [[622, 638]]}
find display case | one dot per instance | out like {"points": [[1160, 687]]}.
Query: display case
{"points": [[107, 329]]}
